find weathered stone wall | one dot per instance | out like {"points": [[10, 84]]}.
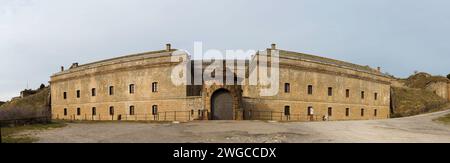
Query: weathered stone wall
{"points": [[176, 103], [141, 72], [299, 100], [299, 74], [439, 88], [398, 83], [448, 91]]}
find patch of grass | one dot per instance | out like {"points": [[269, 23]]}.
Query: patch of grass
{"points": [[18, 139], [444, 119], [10, 134]]}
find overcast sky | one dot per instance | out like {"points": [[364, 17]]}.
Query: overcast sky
{"points": [[38, 36]]}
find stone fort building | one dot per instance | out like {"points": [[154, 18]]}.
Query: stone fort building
{"points": [[139, 87]]}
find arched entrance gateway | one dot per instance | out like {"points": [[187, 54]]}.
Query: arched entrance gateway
{"points": [[222, 102], [222, 105]]}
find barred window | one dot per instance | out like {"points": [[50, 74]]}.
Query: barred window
{"points": [[78, 93], [65, 111], [362, 112], [78, 111], [155, 110], [94, 111], [310, 89], [131, 88], [330, 91], [347, 112], [111, 110], [111, 90], [330, 111], [287, 87], [287, 110], [347, 93], [93, 92], [310, 110], [155, 87], [131, 110], [65, 95]]}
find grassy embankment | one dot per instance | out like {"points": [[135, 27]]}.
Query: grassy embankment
{"points": [[444, 119], [414, 98], [21, 134], [36, 105]]}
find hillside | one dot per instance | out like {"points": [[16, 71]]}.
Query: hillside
{"points": [[410, 101], [413, 98], [420, 80], [36, 105]]}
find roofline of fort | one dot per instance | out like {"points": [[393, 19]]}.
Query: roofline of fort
{"points": [[343, 67], [168, 52], [121, 59]]}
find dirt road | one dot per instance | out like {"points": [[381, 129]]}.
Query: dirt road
{"points": [[413, 129]]}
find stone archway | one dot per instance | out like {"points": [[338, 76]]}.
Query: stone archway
{"points": [[209, 96], [222, 105]]}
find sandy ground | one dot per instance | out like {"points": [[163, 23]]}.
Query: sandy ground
{"points": [[416, 129]]}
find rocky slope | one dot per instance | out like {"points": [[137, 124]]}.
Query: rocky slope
{"points": [[36, 105]]}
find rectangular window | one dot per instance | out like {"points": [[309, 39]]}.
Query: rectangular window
{"points": [[78, 93], [362, 112], [65, 95], [375, 112], [131, 110], [330, 111], [65, 111], [287, 88], [111, 90], [78, 111], [93, 92], [155, 110], [347, 112], [94, 111], [330, 91], [155, 87], [310, 89], [287, 110], [362, 95], [111, 110], [131, 88], [347, 93], [310, 110], [376, 96]]}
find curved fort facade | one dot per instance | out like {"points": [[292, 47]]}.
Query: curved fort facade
{"points": [[141, 87]]}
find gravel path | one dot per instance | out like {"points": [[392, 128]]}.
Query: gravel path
{"points": [[416, 129]]}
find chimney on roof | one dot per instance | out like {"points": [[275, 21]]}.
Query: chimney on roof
{"points": [[62, 68], [274, 46], [74, 65], [168, 47]]}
